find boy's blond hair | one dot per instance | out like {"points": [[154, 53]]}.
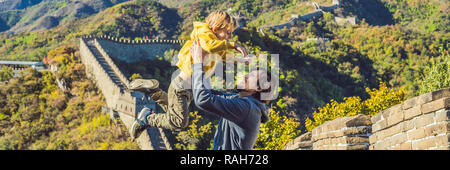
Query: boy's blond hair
{"points": [[221, 20]]}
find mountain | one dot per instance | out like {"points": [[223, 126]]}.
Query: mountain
{"points": [[7, 5], [24, 16]]}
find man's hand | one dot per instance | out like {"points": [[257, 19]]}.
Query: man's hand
{"points": [[241, 49], [197, 52]]}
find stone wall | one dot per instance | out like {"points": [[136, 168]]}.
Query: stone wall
{"points": [[116, 98], [120, 102], [306, 17], [94, 71], [110, 62], [346, 133], [345, 20], [302, 142], [419, 123], [136, 52], [136, 42]]}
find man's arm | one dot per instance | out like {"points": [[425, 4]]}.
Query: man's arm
{"points": [[223, 94], [235, 109]]}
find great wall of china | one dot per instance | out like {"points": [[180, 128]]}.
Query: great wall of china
{"points": [[95, 54], [318, 11], [422, 122], [419, 123], [122, 103]]}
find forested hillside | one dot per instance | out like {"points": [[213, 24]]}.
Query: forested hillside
{"points": [[36, 114], [397, 49], [17, 16]]}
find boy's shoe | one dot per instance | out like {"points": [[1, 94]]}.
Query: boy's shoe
{"points": [[146, 86], [140, 124]]}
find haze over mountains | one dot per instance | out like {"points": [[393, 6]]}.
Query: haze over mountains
{"points": [[18, 16]]}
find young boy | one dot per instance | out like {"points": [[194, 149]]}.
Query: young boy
{"points": [[213, 37]]}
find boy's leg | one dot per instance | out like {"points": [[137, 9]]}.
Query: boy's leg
{"points": [[177, 112], [161, 98], [150, 87]]}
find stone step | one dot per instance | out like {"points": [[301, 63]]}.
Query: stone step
{"points": [[156, 139], [105, 65]]}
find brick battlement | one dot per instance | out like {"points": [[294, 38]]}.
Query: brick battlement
{"points": [[118, 40]]}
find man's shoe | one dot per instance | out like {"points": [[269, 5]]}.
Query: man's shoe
{"points": [[140, 124], [146, 86]]}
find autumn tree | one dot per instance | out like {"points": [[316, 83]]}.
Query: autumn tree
{"points": [[6, 74]]}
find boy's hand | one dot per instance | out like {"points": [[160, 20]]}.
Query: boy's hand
{"points": [[241, 49], [197, 52]]}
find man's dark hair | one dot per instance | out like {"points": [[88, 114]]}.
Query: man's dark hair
{"points": [[257, 95]]}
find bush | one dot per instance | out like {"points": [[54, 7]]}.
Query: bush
{"points": [[277, 132], [6, 74], [437, 76], [198, 136], [36, 114], [379, 100]]}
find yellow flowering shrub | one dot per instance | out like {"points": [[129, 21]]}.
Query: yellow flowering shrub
{"points": [[277, 132], [379, 100], [198, 135]]}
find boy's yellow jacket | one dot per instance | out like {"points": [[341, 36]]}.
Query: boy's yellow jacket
{"points": [[210, 43]]}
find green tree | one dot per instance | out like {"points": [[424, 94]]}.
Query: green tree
{"points": [[6, 74], [35, 114], [277, 132], [198, 135], [437, 75]]}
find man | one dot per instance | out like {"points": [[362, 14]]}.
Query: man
{"points": [[214, 35], [241, 114]]}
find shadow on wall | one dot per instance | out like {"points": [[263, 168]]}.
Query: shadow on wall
{"points": [[149, 69], [373, 11], [150, 60], [132, 53]]}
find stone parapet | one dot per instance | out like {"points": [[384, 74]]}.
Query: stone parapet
{"points": [[124, 41], [346, 133], [302, 142], [110, 62], [419, 123]]}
